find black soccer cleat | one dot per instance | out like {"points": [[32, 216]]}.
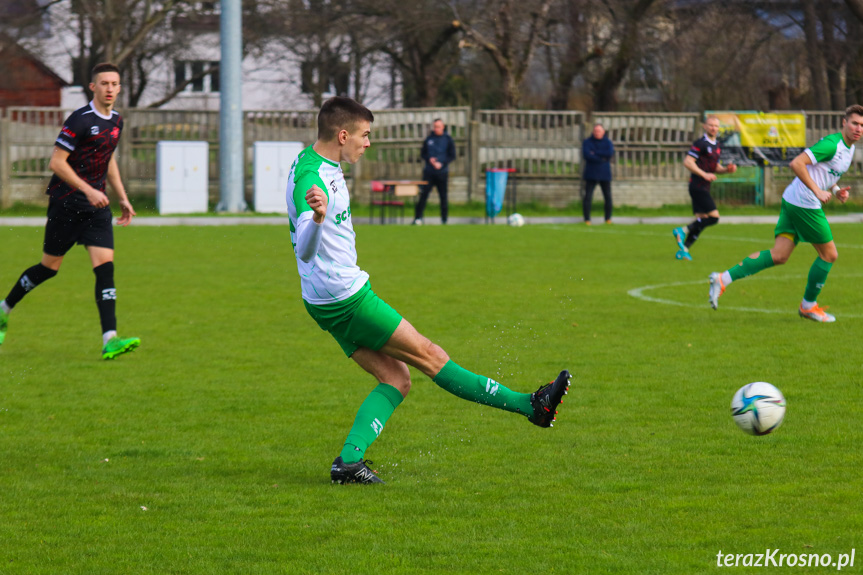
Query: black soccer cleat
{"points": [[358, 472], [546, 399]]}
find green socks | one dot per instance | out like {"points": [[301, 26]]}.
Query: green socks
{"points": [[817, 273], [384, 399], [370, 421], [466, 385], [751, 266], [817, 278]]}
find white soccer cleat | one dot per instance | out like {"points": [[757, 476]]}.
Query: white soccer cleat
{"points": [[816, 313], [716, 289]]}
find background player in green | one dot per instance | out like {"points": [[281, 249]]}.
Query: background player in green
{"points": [[78, 212], [337, 294], [818, 170]]}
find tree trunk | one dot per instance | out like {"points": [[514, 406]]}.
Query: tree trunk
{"points": [[833, 54], [814, 58], [856, 7], [512, 96], [605, 98]]}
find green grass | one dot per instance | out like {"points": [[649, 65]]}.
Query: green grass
{"points": [[224, 423], [145, 205]]}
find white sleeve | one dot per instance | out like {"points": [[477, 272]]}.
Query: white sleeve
{"points": [[308, 236]]}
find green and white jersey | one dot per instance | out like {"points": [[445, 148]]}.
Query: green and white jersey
{"points": [[332, 274], [831, 158]]}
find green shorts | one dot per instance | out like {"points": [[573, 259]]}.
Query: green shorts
{"points": [[803, 224], [362, 320]]}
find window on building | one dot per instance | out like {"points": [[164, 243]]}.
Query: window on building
{"points": [[193, 70]]}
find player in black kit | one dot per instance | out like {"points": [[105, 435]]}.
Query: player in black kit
{"points": [[78, 212], [703, 161]]}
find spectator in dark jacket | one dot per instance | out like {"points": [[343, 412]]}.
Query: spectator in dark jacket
{"points": [[597, 151], [438, 151]]}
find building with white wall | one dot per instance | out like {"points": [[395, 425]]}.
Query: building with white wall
{"points": [[272, 74]]}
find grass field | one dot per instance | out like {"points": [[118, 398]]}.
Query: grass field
{"points": [[207, 451], [145, 206]]}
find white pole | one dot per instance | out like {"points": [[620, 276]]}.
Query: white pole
{"points": [[231, 144]]}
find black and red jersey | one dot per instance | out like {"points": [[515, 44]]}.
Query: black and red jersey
{"points": [[91, 139], [706, 154]]}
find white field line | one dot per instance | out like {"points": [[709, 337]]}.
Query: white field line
{"points": [[639, 293]]}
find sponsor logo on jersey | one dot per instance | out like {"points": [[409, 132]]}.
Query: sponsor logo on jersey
{"points": [[343, 217], [333, 187], [67, 132], [94, 130]]}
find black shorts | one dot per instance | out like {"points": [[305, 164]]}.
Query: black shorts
{"points": [[68, 225], [702, 201]]}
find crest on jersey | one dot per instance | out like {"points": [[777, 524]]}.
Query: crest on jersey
{"points": [[115, 133]]}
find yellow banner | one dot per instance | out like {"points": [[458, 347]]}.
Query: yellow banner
{"points": [[760, 130]]}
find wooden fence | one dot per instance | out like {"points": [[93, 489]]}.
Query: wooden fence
{"points": [[649, 146], [543, 146]]}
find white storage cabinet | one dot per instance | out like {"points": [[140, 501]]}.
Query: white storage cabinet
{"points": [[182, 176], [272, 165]]}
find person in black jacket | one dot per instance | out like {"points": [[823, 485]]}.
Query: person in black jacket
{"points": [[597, 151], [438, 151]]}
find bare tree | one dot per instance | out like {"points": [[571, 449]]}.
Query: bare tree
{"points": [[815, 59], [315, 33], [856, 7], [631, 15], [569, 46], [508, 31], [419, 38], [834, 52], [425, 57], [754, 66]]}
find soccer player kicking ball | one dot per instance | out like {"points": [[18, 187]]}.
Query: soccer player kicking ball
{"points": [[78, 212], [818, 169], [337, 294]]}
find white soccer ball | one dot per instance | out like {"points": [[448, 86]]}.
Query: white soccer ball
{"points": [[516, 220], [758, 408]]}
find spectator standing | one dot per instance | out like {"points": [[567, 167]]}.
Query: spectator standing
{"points": [[597, 151], [438, 151]]}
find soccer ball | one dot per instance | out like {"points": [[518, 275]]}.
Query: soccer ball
{"points": [[516, 220], [758, 408]]}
